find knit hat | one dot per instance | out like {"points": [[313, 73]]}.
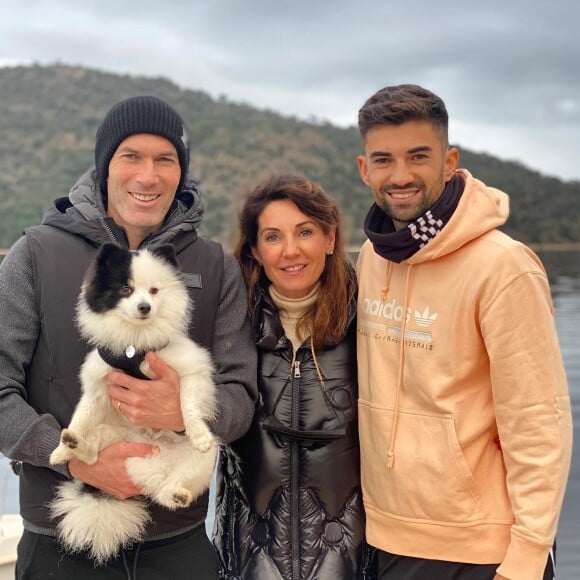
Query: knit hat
{"points": [[139, 115]]}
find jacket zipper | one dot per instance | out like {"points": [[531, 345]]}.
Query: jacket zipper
{"points": [[109, 231], [295, 479], [231, 565], [297, 369]]}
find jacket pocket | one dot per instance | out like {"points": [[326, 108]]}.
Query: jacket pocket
{"points": [[430, 479]]}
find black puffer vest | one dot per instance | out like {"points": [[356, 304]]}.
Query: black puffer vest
{"points": [[60, 260], [289, 496]]}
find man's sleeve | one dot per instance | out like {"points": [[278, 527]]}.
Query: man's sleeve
{"points": [[235, 359], [24, 434], [533, 414]]}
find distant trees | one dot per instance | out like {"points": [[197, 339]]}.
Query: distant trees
{"points": [[49, 116]]}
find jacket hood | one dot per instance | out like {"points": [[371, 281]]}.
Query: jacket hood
{"points": [[83, 213], [480, 210]]}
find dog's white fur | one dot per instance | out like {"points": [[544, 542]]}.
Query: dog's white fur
{"points": [[183, 468]]}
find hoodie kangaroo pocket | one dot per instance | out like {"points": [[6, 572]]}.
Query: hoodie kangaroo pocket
{"points": [[430, 479]]}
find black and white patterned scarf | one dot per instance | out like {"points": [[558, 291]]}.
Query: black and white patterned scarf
{"points": [[398, 245]]}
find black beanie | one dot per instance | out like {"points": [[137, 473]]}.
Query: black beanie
{"points": [[139, 115]]}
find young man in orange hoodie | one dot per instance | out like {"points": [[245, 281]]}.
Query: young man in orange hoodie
{"points": [[464, 411]]}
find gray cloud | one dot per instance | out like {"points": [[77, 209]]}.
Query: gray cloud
{"points": [[507, 70]]}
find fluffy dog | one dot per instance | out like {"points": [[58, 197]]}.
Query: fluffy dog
{"points": [[132, 303]]}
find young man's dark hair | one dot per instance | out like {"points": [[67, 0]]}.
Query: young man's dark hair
{"points": [[398, 104]]}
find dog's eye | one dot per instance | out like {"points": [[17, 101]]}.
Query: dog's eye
{"points": [[153, 291], [125, 291]]}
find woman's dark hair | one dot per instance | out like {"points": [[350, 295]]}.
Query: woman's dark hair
{"points": [[327, 319]]}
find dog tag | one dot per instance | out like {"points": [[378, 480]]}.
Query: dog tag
{"points": [[130, 351]]}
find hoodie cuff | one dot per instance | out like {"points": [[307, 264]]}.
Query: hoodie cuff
{"points": [[524, 560]]}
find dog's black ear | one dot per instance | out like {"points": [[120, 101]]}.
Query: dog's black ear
{"points": [[112, 257], [167, 253], [108, 272]]}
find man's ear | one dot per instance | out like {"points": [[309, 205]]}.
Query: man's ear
{"points": [[451, 162], [363, 169]]}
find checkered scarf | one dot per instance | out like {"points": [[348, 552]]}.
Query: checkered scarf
{"points": [[398, 245]]}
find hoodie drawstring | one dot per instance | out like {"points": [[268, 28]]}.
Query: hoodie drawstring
{"points": [[391, 451], [385, 289]]}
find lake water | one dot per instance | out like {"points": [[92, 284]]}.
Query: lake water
{"points": [[564, 272]]}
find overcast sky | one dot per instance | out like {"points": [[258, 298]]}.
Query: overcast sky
{"points": [[508, 71]]}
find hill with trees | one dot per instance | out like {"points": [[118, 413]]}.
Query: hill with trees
{"points": [[49, 116]]}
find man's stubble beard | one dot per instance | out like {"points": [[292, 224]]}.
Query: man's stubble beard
{"points": [[424, 205]]}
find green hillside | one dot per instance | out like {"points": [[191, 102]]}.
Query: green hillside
{"points": [[49, 115]]}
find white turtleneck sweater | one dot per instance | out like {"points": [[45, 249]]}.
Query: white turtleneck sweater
{"points": [[291, 310]]}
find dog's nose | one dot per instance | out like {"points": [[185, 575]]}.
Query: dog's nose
{"points": [[144, 308]]}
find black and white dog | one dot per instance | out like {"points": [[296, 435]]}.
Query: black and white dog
{"points": [[132, 303]]}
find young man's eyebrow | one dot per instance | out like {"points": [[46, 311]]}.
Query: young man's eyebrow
{"points": [[418, 149]]}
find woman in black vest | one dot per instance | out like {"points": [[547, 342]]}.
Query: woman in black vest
{"points": [[289, 496]]}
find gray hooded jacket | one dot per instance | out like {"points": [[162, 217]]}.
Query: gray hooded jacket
{"points": [[41, 351]]}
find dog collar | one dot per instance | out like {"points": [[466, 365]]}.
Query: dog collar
{"points": [[128, 361]]}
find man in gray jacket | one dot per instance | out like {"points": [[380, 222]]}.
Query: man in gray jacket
{"points": [[138, 195]]}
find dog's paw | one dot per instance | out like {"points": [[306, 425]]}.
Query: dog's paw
{"points": [[203, 442], [60, 455], [174, 498], [69, 438], [67, 448], [182, 498], [73, 445]]}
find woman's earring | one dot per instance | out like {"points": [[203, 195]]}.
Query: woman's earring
{"points": [[329, 252]]}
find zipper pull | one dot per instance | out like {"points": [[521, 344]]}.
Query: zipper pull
{"points": [[297, 369]]}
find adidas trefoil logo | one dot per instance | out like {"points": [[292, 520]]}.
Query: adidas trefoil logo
{"points": [[425, 319]]}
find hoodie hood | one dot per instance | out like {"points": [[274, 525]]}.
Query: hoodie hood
{"points": [[83, 213], [480, 210]]}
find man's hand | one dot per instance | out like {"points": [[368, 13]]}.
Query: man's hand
{"points": [[109, 473], [149, 403]]}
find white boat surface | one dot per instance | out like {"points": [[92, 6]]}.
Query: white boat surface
{"points": [[10, 523], [10, 532]]}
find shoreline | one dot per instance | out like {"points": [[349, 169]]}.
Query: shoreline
{"points": [[539, 247], [536, 247], [555, 247]]}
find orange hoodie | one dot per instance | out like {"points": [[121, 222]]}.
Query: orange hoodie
{"points": [[464, 412]]}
